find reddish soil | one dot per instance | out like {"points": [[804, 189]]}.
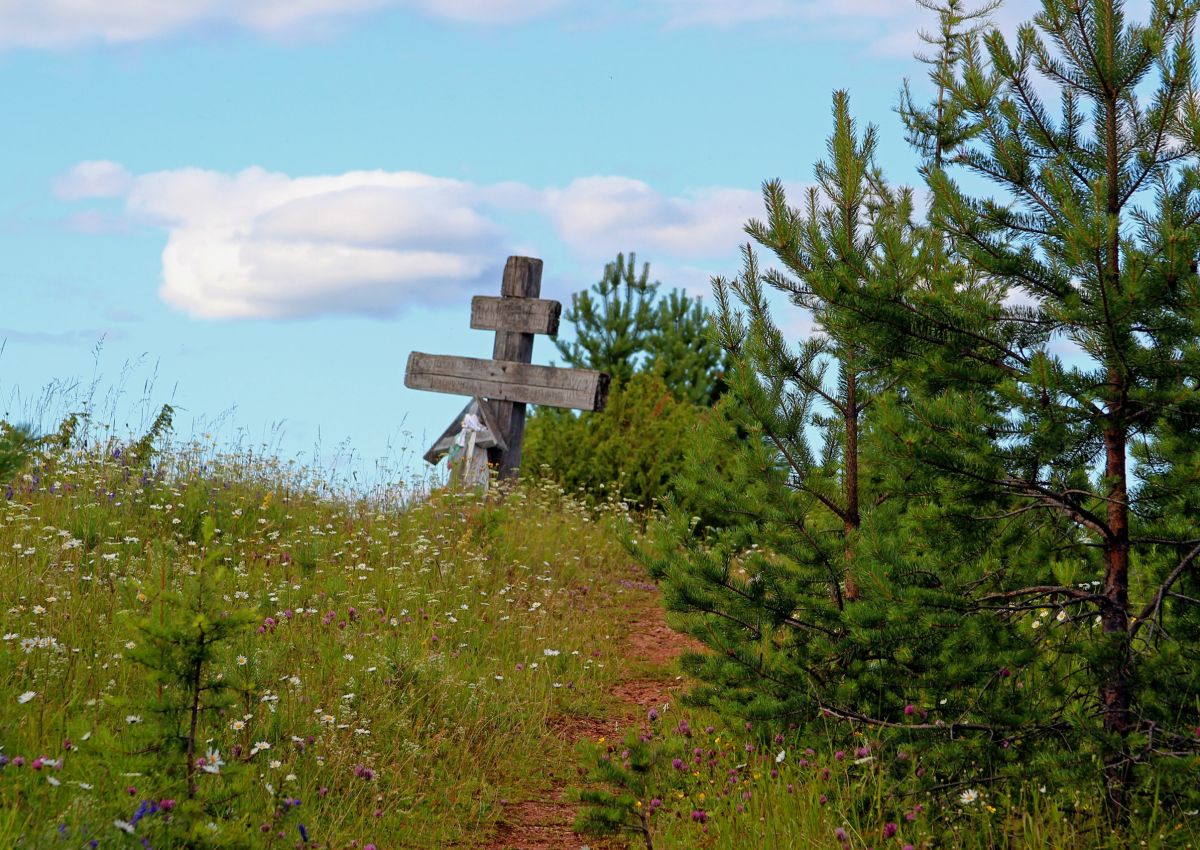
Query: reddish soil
{"points": [[546, 824]]}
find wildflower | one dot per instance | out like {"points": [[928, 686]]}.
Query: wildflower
{"points": [[212, 761], [53, 781], [910, 709], [26, 697], [890, 829], [124, 826], [303, 833], [782, 755], [677, 763], [241, 660], [968, 797], [840, 835], [133, 718], [699, 816], [258, 747], [237, 725], [274, 763], [550, 653], [652, 715]]}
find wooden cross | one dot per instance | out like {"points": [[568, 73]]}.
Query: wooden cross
{"points": [[508, 380]]}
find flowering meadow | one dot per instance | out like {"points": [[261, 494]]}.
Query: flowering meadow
{"points": [[218, 651], [388, 685]]}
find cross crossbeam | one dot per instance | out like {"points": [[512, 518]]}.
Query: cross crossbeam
{"points": [[509, 381]]}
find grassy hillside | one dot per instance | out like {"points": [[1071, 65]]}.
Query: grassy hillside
{"points": [[394, 679], [436, 674]]}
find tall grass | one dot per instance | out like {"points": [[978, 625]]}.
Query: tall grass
{"points": [[407, 654], [397, 684]]}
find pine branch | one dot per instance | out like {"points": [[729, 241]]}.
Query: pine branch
{"points": [[1155, 604], [1044, 590], [1060, 503]]}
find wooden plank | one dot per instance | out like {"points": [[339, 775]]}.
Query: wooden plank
{"points": [[522, 279], [507, 381], [521, 315]]}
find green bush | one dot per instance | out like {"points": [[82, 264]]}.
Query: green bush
{"points": [[632, 447]]}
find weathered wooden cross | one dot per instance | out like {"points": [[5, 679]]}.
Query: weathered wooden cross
{"points": [[508, 381]]}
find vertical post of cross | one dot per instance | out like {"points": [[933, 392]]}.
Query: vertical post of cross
{"points": [[522, 279]]}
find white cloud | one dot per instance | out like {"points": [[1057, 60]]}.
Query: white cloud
{"points": [[733, 12], [97, 178], [889, 28], [61, 23], [261, 244], [889, 25], [599, 216]]}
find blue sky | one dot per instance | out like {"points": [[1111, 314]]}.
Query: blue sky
{"points": [[255, 209]]}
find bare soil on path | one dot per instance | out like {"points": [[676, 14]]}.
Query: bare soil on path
{"points": [[650, 650]]}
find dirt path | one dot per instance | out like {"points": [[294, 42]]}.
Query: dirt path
{"points": [[651, 645]]}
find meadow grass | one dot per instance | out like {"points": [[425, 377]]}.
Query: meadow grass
{"points": [[405, 660], [397, 682], [715, 787]]}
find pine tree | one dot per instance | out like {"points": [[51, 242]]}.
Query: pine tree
{"points": [[623, 327], [1091, 245], [612, 320], [665, 364], [1025, 557], [776, 590], [682, 350]]}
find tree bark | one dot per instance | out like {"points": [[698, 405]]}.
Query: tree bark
{"points": [[1115, 689], [852, 519], [1115, 695]]}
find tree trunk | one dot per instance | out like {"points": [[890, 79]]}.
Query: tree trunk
{"points": [[1115, 690], [851, 520], [1115, 693]]}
